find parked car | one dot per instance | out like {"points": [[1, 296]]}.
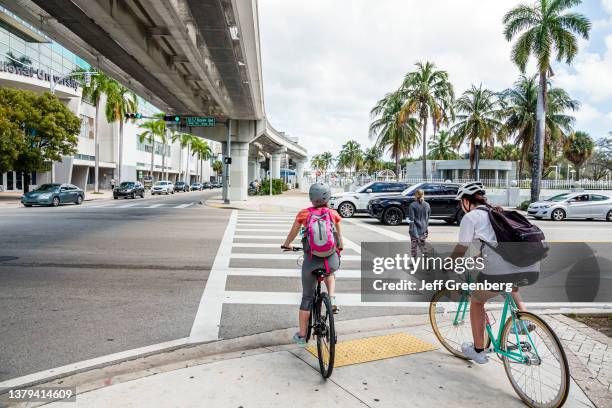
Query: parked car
{"points": [[181, 186], [196, 186], [350, 203], [392, 210], [53, 195], [129, 189], [147, 181], [573, 205], [162, 187], [206, 185]]}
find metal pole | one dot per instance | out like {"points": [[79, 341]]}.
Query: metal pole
{"points": [[477, 162], [227, 166]]}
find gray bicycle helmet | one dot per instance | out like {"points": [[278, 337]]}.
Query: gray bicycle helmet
{"points": [[470, 189], [319, 194]]}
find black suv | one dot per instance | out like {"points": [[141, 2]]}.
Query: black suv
{"points": [[392, 210], [131, 189], [181, 186]]}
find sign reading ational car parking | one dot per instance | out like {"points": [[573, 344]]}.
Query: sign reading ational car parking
{"points": [[200, 121]]}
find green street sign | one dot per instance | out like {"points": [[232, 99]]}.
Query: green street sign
{"points": [[200, 121]]}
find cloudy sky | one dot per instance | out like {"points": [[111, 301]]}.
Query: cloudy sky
{"points": [[327, 62]]}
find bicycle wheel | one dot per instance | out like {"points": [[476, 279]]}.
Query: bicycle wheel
{"points": [[542, 380], [449, 314], [326, 336]]}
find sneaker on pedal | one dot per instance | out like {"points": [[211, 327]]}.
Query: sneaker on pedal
{"points": [[469, 352], [299, 340], [335, 308]]}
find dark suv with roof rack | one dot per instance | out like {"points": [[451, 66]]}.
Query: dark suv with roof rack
{"points": [[393, 209]]}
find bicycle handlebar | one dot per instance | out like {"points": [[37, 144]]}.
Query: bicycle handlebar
{"points": [[294, 249]]}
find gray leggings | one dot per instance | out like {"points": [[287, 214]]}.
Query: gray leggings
{"points": [[309, 280]]}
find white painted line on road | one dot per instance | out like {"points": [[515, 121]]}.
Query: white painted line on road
{"points": [[291, 298], [285, 256], [128, 205], [208, 317], [92, 363], [155, 206], [261, 230], [291, 273], [183, 205], [254, 245], [381, 231], [260, 237], [100, 205]]}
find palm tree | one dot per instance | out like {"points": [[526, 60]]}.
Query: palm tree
{"points": [[99, 85], [185, 140], [201, 148], [578, 149], [394, 133], [372, 159], [543, 29], [327, 160], [151, 134], [351, 156], [519, 110], [217, 167], [427, 95], [477, 118], [120, 101], [441, 147]]}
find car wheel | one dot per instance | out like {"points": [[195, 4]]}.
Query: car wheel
{"points": [[55, 202], [142, 195], [27, 205], [557, 214], [133, 196], [116, 198], [609, 216], [393, 216], [79, 200], [346, 209]]}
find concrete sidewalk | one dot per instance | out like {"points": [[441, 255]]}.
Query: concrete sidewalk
{"points": [[12, 200], [281, 376]]}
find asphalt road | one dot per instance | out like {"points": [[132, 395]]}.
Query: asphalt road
{"points": [[108, 276], [78, 282]]}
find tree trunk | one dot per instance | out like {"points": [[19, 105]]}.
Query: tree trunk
{"points": [[397, 160], [424, 140], [26, 182], [164, 175], [180, 164], [188, 170], [538, 159], [119, 172], [152, 156], [577, 172]]}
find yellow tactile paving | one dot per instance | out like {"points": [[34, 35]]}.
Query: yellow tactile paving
{"points": [[376, 348]]}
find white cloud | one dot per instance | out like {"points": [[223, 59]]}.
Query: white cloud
{"points": [[326, 63], [607, 5], [587, 113]]}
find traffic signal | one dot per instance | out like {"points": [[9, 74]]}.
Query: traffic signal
{"points": [[133, 115], [172, 118]]}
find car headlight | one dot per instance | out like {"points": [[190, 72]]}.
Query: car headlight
{"points": [[45, 196], [545, 206]]}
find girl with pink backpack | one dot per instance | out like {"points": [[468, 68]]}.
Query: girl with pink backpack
{"points": [[322, 241]]}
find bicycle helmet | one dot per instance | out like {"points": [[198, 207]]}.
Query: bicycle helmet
{"points": [[470, 189], [319, 194]]}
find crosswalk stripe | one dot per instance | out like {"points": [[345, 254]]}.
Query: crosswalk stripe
{"points": [[254, 245], [264, 224], [293, 298], [260, 237], [100, 205], [261, 230], [290, 273], [155, 206], [128, 205], [284, 256], [183, 205]]}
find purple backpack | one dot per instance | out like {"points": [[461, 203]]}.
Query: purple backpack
{"points": [[512, 227]]}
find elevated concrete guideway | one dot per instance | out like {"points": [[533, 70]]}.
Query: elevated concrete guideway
{"points": [[188, 57]]}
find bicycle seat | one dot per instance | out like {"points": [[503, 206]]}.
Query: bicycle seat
{"points": [[319, 272]]}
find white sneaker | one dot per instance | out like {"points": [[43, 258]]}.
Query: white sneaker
{"points": [[469, 352]]}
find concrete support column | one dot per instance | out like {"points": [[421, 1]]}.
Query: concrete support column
{"points": [[496, 177], [275, 164], [239, 182], [252, 168], [299, 173]]}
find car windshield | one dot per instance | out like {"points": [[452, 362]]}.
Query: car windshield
{"points": [[161, 183], [126, 185], [410, 190], [47, 187], [364, 188], [560, 197]]}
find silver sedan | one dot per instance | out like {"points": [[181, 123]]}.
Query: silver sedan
{"points": [[573, 205]]}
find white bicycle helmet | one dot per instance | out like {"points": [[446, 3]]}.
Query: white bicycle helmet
{"points": [[470, 189], [319, 194]]}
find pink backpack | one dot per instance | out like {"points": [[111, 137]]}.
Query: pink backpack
{"points": [[320, 232]]}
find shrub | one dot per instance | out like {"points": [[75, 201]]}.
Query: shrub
{"points": [[278, 186], [523, 206]]}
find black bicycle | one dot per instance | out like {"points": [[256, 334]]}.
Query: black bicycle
{"points": [[321, 325]]}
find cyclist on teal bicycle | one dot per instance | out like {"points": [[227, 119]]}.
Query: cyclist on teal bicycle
{"points": [[476, 228]]}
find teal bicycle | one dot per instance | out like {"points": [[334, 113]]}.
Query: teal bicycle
{"points": [[533, 357]]}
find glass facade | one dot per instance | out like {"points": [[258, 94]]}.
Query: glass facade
{"points": [[50, 57]]}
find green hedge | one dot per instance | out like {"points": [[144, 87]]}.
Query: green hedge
{"points": [[523, 206], [278, 186]]}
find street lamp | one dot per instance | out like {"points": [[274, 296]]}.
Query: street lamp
{"points": [[556, 173], [477, 147]]}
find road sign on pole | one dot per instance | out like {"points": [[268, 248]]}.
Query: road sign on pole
{"points": [[200, 121]]}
